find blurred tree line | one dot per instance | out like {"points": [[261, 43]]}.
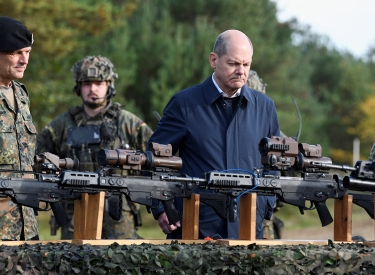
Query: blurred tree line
{"points": [[161, 46]]}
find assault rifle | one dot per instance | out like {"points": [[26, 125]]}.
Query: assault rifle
{"points": [[57, 182], [315, 184], [161, 184], [282, 154]]}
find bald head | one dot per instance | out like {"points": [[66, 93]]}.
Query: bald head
{"points": [[231, 60], [228, 38]]}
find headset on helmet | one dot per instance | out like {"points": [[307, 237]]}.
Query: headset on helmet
{"points": [[94, 68]]}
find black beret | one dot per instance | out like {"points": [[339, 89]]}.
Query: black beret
{"points": [[13, 35]]}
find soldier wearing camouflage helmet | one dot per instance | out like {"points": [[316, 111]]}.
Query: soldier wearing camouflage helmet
{"points": [[255, 82], [274, 226], [372, 153], [18, 133], [99, 123]]}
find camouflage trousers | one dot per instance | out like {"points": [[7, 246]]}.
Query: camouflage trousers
{"points": [[18, 224], [273, 228], [112, 229]]}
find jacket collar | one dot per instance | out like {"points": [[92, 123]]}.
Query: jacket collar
{"points": [[211, 93]]}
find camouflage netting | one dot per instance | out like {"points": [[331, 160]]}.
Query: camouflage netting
{"points": [[180, 258]]}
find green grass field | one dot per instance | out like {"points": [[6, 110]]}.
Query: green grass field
{"points": [[150, 229]]}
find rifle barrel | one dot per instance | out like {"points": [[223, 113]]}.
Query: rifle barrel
{"points": [[344, 168], [183, 179]]}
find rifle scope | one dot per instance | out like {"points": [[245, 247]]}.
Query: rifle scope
{"points": [[278, 145], [284, 153], [136, 160], [49, 158], [278, 152]]}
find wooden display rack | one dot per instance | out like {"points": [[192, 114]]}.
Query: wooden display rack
{"points": [[88, 221], [190, 216], [342, 219], [88, 216]]}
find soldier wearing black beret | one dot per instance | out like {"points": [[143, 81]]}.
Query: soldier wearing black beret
{"points": [[17, 131]]}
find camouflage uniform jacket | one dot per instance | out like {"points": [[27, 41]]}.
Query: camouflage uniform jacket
{"points": [[17, 151], [130, 132], [118, 129]]}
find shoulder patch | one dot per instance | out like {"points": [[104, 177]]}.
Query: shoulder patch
{"points": [[115, 109], [117, 106]]}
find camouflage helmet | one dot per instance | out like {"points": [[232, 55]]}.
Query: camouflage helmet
{"points": [[255, 82], [94, 68]]}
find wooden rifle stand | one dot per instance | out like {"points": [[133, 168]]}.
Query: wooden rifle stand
{"points": [[190, 217], [88, 216], [342, 221], [190, 226]]}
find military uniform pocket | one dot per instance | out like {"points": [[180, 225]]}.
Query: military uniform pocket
{"points": [[30, 127], [8, 153]]}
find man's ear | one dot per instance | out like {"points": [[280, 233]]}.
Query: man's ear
{"points": [[213, 59]]}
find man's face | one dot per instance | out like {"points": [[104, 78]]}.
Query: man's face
{"points": [[232, 69], [13, 65], [93, 93]]}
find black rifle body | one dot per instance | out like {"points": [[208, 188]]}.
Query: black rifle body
{"points": [[315, 184], [312, 187], [70, 185]]}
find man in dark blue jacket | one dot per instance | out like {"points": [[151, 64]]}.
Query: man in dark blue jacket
{"points": [[217, 125]]}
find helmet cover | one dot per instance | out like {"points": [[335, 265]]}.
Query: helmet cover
{"points": [[94, 68], [255, 82]]}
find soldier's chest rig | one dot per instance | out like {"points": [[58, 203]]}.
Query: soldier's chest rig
{"points": [[92, 134]]}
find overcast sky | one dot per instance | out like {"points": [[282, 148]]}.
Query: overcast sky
{"points": [[349, 24]]}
